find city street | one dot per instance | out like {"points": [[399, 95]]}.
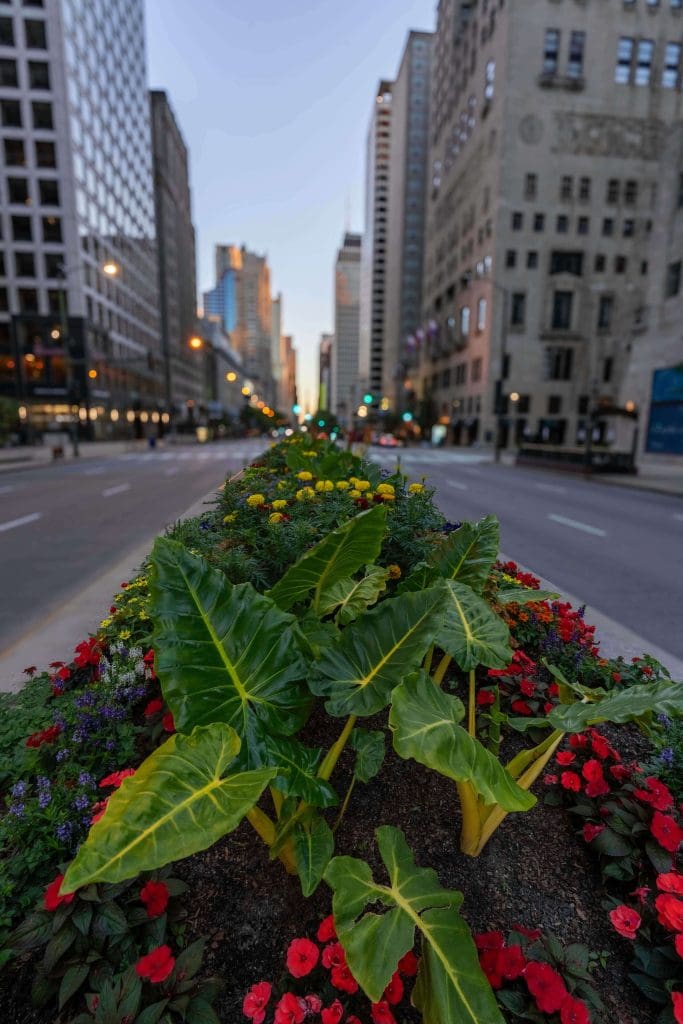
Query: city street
{"points": [[63, 526], [618, 549]]}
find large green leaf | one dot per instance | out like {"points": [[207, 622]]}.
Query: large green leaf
{"points": [[471, 632], [469, 553], [425, 722], [313, 847], [224, 653], [377, 651], [182, 799], [297, 771], [628, 705], [370, 747], [341, 553], [451, 986], [349, 597]]}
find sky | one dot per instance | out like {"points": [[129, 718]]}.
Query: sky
{"points": [[273, 98]]}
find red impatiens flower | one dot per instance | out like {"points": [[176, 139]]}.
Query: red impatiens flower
{"points": [[116, 778], [326, 930], [546, 986], [153, 708], [601, 748], [571, 781], [290, 1010], [489, 940], [626, 921], [314, 1003], [148, 658], [485, 698], [678, 944], [565, 757], [549, 779], [488, 961], [531, 933], [156, 966], [89, 652], [670, 912], [353, 1019], [302, 956], [511, 962], [98, 810], [620, 772], [573, 1011], [592, 773], [333, 1014], [49, 735], [256, 1000], [656, 794], [677, 999], [342, 979], [671, 882], [381, 1014], [521, 707], [155, 897], [408, 965], [168, 722], [333, 956], [393, 993], [668, 834], [527, 687], [51, 897], [590, 831], [641, 893], [578, 741]]}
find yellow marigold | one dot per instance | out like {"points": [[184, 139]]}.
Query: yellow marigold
{"points": [[353, 480], [304, 475], [363, 485], [256, 499], [230, 518], [104, 623], [282, 485], [394, 572], [416, 488], [324, 485], [355, 494], [275, 517], [343, 485], [387, 497], [369, 495], [279, 503], [386, 490], [305, 494], [309, 455]]}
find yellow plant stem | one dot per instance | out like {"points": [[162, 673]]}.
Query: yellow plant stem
{"points": [[335, 751], [526, 757], [278, 799], [345, 804], [441, 669], [427, 663], [265, 828], [470, 832], [472, 707]]}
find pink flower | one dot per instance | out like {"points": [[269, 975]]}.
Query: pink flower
{"points": [[256, 1001]]}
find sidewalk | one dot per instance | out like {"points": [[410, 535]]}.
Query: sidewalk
{"points": [[663, 479], [35, 456]]}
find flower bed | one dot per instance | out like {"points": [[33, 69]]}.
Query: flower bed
{"points": [[294, 630]]}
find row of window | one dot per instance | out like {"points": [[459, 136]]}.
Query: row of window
{"points": [[22, 229], [14, 151], [38, 74], [552, 53], [41, 115], [19, 191], [570, 188], [572, 263], [635, 60], [563, 222], [25, 264], [34, 33], [562, 310], [674, 5]]}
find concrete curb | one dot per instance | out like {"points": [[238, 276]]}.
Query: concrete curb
{"points": [[57, 635]]}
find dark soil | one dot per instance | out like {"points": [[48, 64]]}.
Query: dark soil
{"points": [[535, 871]]}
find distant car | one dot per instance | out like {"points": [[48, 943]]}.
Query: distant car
{"points": [[389, 441]]}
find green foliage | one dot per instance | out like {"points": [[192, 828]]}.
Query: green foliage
{"points": [[21, 714], [469, 553], [348, 597], [471, 632], [637, 703]]}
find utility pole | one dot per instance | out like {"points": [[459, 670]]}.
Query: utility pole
{"points": [[499, 399]]}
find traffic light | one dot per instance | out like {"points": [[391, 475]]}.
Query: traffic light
{"points": [[296, 409], [407, 417], [367, 398], [321, 423]]}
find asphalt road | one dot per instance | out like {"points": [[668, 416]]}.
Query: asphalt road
{"points": [[62, 526], [619, 549]]}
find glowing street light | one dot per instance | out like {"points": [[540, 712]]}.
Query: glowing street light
{"points": [[246, 391], [196, 343], [92, 374], [231, 376], [111, 269]]}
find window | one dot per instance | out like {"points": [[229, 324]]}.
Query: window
{"points": [[620, 264], [38, 74], [517, 221], [554, 404], [582, 405], [17, 191], [532, 259], [551, 51], [8, 73], [45, 154], [600, 263], [35, 34], [622, 74], [464, 321], [612, 196], [49, 192], [672, 63], [6, 32], [629, 228], [476, 369], [584, 189], [511, 258], [608, 227], [21, 229], [14, 153], [562, 310], [644, 52], [566, 186], [481, 315], [518, 309], [583, 225], [490, 79], [530, 186], [577, 45], [559, 363], [10, 113], [562, 224], [607, 367], [52, 229], [58, 299], [54, 263], [605, 312], [566, 263], [643, 268], [673, 279], [28, 300], [42, 115], [524, 404], [24, 264]]}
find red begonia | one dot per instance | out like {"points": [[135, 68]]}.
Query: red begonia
{"points": [[156, 966], [302, 956]]}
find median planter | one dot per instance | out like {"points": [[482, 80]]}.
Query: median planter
{"points": [[321, 698]]}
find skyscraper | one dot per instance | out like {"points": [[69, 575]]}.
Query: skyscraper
{"points": [[79, 325], [324, 370], [345, 386]]}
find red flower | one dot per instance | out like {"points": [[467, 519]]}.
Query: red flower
{"points": [[626, 921], [573, 1011], [527, 687], [30, 671], [353, 1020], [485, 698], [381, 1014], [549, 779], [488, 961], [49, 735], [578, 741], [326, 930], [155, 897], [116, 778], [554, 690], [656, 794], [620, 772], [256, 1001], [601, 747], [290, 1010], [616, 677], [531, 933], [670, 912], [641, 893], [678, 944], [167, 722], [521, 707], [333, 955], [148, 659], [333, 1014], [64, 673], [671, 882], [302, 956], [677, 998], [98, 810], [489, 940], [546, 986], [342, 979], [408, 965], [590, 831], [157, 965], [314, 1003], [511, 962], [153, 708], [570, 780], [665, 830], [51, 897], [565, 757], [393, 993], [592, 772], [88, 653]]}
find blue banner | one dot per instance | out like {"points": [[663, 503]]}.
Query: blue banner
{"points": [[665, 429]]}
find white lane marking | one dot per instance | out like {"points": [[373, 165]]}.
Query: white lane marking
{"points": [[12, 523], [576, 525], [455, 483], [108, 492], [554, 488], [7, 489], [172, 471]]}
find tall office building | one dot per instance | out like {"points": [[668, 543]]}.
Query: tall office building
{"points": [[287, 394], [184, 379], [276, 350], [371, 356], [79, 326], [324, 370], [345, 386], [547, 124], [409, 146]]}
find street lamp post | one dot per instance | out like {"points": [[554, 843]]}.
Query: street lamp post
{"points": [[500, 383]]}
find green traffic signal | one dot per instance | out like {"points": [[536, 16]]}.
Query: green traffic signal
{"points": [[367, 399], [296, 409], [407, 417], [321, 423]]}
